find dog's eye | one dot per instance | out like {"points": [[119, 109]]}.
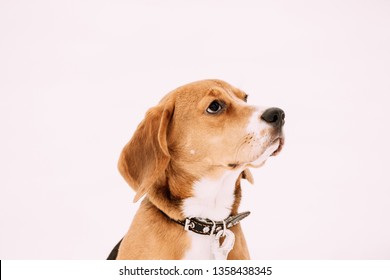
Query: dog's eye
{"points": [[246, 97], [214, 107]]}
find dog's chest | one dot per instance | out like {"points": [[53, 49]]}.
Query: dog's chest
{"points": [[213, 199]]}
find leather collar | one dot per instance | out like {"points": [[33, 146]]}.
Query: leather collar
{"points": [[210, 227]]}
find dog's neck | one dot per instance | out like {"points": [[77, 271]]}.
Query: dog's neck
{"points": [[181, 195], [214, 198]]}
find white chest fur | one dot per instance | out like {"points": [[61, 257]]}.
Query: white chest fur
{"points": [[213, 199]]}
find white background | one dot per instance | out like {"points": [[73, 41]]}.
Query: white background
{"points": [[76, 77]]}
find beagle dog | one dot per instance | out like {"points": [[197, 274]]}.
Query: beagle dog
{"points": [[186, 159]]}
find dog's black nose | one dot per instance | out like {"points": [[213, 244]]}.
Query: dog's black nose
{"points": [[274, 116]]}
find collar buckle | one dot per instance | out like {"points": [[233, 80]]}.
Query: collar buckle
{"points": [[188, 225]]}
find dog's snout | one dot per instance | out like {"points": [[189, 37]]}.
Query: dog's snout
{"points": [[274, 116]]}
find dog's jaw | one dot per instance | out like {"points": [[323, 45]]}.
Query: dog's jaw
{"points": [[261, 141], [271, 150]]}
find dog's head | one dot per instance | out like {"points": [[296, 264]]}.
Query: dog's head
{"points": [[201, 129]]}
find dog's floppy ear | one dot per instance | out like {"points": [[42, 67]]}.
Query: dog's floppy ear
{"points": [[246, 174], [145, 157]]}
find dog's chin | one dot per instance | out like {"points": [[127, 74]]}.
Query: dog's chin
{"points": [[272, 150], [280, 142]]}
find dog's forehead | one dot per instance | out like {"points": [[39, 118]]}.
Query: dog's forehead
{"points": [[194, 92]]}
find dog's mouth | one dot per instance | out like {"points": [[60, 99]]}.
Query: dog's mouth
{"points": [[280, 142], [258, 160]]}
